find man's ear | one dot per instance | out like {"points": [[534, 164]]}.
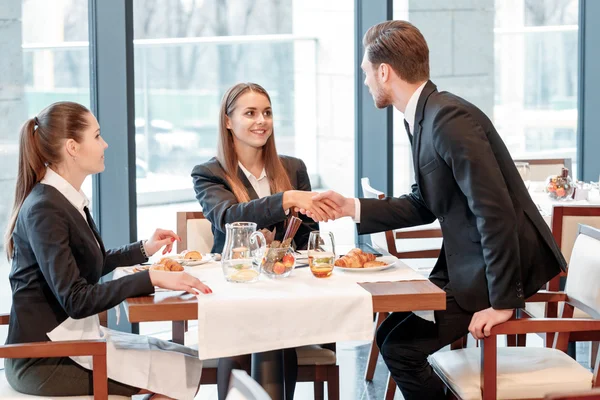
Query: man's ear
{"points": [[384, 72]]}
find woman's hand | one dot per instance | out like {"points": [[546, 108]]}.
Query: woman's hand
{"points": [[178, 281], [160, 238], [320, 210]]}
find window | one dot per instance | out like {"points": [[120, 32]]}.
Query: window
{"points": [[514, 59], [188, 53], [44, 59]]}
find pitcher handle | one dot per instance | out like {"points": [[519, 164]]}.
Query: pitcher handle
{"points": [[258, 237]]}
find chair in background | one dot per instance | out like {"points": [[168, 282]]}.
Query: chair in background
{"points": [[491, 372], [243, 387], [387, 240], [316, 363], [94, 348], [195, 232], [565, 223], [540, 169]]}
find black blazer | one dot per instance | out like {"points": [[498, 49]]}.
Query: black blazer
{"points": [[57, 265], [497, 249], [221, 207]]}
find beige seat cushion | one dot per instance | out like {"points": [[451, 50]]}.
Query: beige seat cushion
{"points": [[537, 310], [523, 372], [8, 393], [315, 355]]}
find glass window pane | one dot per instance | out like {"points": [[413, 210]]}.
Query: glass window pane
{"points": [[187, 54], [44, 59], [515, 59]]}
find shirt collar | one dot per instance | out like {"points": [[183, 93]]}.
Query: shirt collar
{"points": [[411, 107], [249, 174], [77, 198]]}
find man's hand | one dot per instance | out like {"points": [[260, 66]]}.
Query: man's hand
{"points": [[483, 321], [343, 206]]}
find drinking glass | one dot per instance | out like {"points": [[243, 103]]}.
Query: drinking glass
{"points": [[321, 254], [524, 171]]}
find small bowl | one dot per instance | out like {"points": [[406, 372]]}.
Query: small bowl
{"points": [[278, 263]]}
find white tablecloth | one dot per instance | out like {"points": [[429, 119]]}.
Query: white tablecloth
{"points": [[242, 318]]}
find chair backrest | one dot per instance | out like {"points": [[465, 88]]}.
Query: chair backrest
{"points": [[243, 387], [584, 271], [565, 223], [378, 239], [195, 232], [540, 169]]}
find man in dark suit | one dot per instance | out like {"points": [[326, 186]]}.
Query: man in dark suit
{"points": [[497, 249]]}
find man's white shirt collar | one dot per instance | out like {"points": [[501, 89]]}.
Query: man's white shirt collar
{"points": [[411, 107]]}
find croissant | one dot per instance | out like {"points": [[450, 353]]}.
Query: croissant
{"points": [[166, 264], [191, 255], [356, 258]]}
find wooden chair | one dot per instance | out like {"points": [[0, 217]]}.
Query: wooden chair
{"points": [[387, 240], [565, 222], [593, 394], [531, 373], [540, 169], [243, 387], [316, 363], [94, 348]]}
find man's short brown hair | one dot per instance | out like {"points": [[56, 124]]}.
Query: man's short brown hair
{"points": [[401, 45]]}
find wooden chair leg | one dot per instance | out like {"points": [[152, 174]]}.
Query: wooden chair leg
{"points": [[594, 353], [390, 390], [333, 383], [522, 340], [319, 389], [374, 352], [100, 377]]}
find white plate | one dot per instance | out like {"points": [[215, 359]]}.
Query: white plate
{"points": [[206, 258], [390, 260]]}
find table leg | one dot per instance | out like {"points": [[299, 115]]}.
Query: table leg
{"points": [[267, 370]]}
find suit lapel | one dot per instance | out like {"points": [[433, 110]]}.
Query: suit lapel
{"points": [[251, 192], [419, 115]]}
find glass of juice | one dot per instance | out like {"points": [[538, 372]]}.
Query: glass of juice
{"points": [[321, 253]]}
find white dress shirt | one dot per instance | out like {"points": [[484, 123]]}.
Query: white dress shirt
{"points": [[77, 198], [261, 184]]}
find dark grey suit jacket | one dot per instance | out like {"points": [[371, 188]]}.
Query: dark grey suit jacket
{"points": [[497, 248], [57, 265], [221, 207]]}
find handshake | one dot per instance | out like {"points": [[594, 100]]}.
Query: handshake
{"points": [[319, 206]]}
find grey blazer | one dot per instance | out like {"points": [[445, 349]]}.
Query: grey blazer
{"points": [[57, 265], [221, 207], [497, 248]]}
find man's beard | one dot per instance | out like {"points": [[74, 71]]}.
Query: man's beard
{"points": [[382, 100]]}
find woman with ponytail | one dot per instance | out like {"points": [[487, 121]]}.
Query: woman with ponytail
{"points": [[58, 258], [248, 181]]}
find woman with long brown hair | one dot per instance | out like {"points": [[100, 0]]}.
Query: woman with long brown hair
{"points": [[58, 258], [249, 181]]}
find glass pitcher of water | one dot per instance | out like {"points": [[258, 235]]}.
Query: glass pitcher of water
{"points": [[243, 251]]}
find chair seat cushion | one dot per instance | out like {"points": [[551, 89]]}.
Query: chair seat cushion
{"points": [[523, 372], [315, 355], [538, 310], [8, 393]]}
